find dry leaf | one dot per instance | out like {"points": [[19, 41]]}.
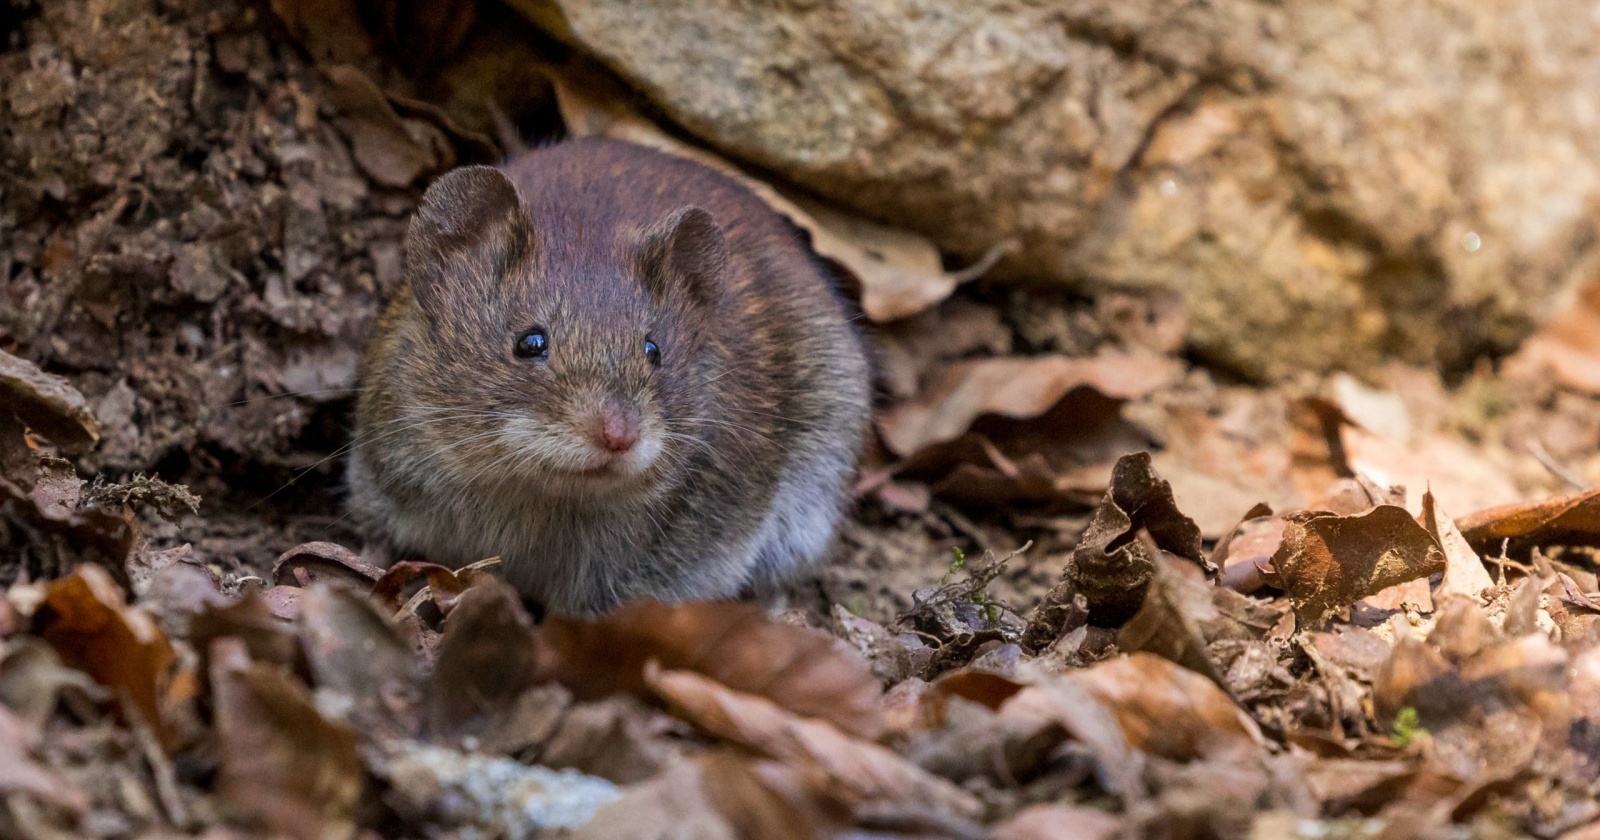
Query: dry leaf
{"points": [[355, 653], [250, 620], [1457, 474], [487, 658], [1017, 387], [324, 561], [394, 151], [1111, 566], [1169, 711], [281, 761], [1059, 822], [1464, 572], [443, 588], [805, 671], [1327, 562], [1070, 704], [22, 775], [1177, 604], [1534, 522], [865, 771], [47, 404], [675, 805], [86, 619], [331, 30]]}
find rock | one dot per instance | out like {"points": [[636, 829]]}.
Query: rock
{"points": [[1321, 182]]}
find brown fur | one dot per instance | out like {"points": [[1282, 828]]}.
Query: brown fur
{"points": [[759, 404]]}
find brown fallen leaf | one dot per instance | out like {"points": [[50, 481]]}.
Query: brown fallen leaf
{"points": [[1534, 522], [868, 773], [86, 619], [1168, 710], [250, 620], [1177, 608], [1327, 562], [1418, 677], [487, 659], [1059, 822], [1111, 566], [354, 653], [1017, 387], [325, 561], [1070, 704], [802, 670], [64, 538], [394, 151], [282, 762], [1459, 475], [47, 404], [443, 587], [331, 30], [34, 682], [1247, 563], [22, 775], [1464, 572]]}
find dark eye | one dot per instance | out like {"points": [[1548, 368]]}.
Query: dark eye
{"points": [[532, 344], [652, 353]]}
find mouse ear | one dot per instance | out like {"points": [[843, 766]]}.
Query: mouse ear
{"points": [[464, 208], [686, 251]]}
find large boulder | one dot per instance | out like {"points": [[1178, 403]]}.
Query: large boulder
{"points": [[1323, 181]]}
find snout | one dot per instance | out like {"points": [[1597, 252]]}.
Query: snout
{"points": [[613, 427]]}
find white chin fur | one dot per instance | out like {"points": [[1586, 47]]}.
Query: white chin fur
{"points": [[547, 454]]}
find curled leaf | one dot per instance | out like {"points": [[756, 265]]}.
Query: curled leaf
{"points": [[802, 670], [1327, 562]]}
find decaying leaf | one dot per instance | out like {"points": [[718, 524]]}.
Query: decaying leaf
{"points": [[282, 762], [251, 620], [443, 587], [393, 150], [868, 772], [86, 619], [354, 652], [1059, 822], [1576, 516], [325, 561], [804, 671], [47, 404], [1168, 710], [22, 775], [1177, 604], [1019, 388], [1464, 572], [486, 660], [1111, 567], [1327, 562]]}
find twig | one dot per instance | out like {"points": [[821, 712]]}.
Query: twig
{"points": [[1546, 460]]}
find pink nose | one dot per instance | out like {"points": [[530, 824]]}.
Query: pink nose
{"points": [[615, 430]]}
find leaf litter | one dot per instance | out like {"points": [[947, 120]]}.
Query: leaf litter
{"points": [[1109, 656]]}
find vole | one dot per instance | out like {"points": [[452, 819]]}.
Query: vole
{"points": [[618, 370]]}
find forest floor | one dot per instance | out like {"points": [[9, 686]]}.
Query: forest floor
{"points": [[1090, 588]]}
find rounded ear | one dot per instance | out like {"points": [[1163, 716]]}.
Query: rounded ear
{"points": [[463, 208], [685, 251]]}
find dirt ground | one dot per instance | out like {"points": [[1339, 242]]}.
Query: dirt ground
{"points": [[201, 210]]}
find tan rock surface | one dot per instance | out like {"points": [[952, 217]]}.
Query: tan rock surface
{"points": [[1322, 181]]}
